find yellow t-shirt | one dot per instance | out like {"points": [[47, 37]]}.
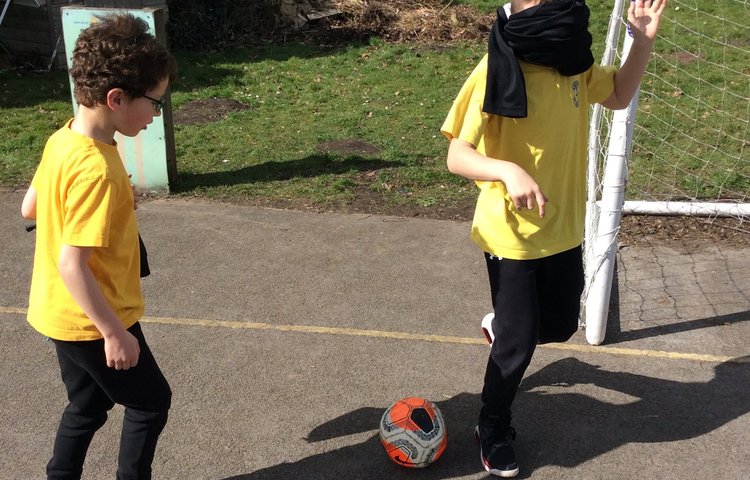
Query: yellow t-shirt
{"points": [[84, 199], [550, 145]]}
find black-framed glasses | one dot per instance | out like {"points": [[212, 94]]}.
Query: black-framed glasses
{"points": [[156, 103]]}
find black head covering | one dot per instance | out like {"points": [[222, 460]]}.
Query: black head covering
{"points": [[553, 34]]}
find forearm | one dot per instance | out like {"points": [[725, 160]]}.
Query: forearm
{"points": [[464, 160], [523, 191], [84, 289], [628, 77]]}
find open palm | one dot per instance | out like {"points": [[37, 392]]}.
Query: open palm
{"points": [[644, 17]]}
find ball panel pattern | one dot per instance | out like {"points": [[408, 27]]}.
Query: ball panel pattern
{"points": [[412, 432]]}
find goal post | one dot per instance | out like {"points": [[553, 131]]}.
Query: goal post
{"points": [[593, 258], [606, 222]]}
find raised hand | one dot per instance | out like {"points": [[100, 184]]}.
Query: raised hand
{"points": [[644, 17]]}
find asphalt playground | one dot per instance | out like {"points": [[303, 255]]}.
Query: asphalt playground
{"points": [[286, 334]]}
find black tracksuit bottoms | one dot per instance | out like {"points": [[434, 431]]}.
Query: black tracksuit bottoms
{"points": [[93, 389], [535, 302]]}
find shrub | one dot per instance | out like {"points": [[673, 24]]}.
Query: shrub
{"points": [[211, 24]]}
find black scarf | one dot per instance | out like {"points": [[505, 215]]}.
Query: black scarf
{"points": [[553, 34]]}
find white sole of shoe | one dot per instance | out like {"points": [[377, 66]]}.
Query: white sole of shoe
{"points": [[495, 471], [503, 473], [487, 328]]}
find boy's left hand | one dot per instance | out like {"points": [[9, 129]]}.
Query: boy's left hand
{"points": [[644, 17], [135, 194], [135, 197]]}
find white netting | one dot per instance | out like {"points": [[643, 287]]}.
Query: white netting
{"points": [[691, 138]]}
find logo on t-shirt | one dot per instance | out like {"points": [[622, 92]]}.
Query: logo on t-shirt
{"points": [[574, 93]]}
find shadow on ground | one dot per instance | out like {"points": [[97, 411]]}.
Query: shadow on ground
{"points": [[557, 424], [311, 166]]}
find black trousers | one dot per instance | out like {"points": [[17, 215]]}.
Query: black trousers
{"points": [[535, 301], [93, 389]]}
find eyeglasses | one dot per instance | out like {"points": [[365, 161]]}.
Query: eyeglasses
{"points": [[156, 103]]}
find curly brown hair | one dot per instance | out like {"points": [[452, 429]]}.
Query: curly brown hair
{"points": [[118, 52]]}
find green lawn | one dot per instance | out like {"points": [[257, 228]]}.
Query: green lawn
{"points": [[392, 96]]}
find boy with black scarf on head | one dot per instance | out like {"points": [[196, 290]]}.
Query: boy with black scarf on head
{"points": [[519, 129]]}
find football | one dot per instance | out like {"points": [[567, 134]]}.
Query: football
{"points": [[412, 432]]}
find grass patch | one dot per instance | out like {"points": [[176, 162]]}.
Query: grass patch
{"points": [[691, 135], [33, 107], [394, 97]]}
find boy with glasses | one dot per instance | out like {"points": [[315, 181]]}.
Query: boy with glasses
{"points": [[85, 288]]}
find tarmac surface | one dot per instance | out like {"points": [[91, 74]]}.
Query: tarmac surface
{"points": [[286, 334]]}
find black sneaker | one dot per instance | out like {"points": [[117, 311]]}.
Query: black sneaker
{"points": [[496, 451]]}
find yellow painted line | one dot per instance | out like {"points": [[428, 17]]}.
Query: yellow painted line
{"points": [[634, 352], [355, 332], [20, 311]]}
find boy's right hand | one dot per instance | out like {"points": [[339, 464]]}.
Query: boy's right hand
{"points": [[463, 159], [524, 192], [121, 350]]}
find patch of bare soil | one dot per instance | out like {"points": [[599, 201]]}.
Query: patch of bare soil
{"points": [[684, 233], [684, 58], [348, 146], [201, 112]]}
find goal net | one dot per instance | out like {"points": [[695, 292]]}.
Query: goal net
{"points": [[682, 146]]}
